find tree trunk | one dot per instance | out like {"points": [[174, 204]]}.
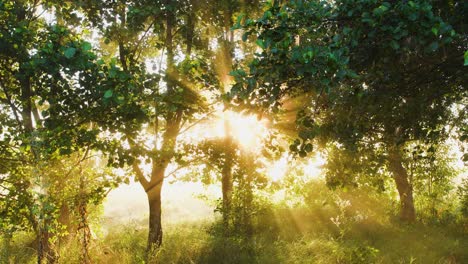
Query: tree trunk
{"points": [[248, 190], [173, 119], [405, 189], [227, 191], [155, 234], [226, 174], [153, 192], [85, 233], [46, 252], [83, 225], [226, 57], [65, 220]]}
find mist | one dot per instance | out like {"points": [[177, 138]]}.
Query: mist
{"points": [[183, 202]]}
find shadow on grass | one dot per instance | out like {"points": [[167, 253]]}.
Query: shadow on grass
{"points": [[280, 235]]}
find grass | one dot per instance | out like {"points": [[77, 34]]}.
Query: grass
{"points": [[363, 231], [203, 243]]}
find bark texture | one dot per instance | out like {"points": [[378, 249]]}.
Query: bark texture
{"points": [[155, 234], [46, 252], [404, 187]]}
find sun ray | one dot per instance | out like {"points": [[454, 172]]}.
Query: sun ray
{"points": [[247, 130]]}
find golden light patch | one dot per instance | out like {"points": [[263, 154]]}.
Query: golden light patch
{"points": [[247, 130]]}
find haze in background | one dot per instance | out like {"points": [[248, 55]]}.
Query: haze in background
{"points": [[182, 202]]}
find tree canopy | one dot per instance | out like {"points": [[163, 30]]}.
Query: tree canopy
{"points": [[97, 93], [376, 75]]}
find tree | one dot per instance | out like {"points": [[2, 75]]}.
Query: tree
{"points": [[147, 111], [46, 73], [219, 20], [376, 75], [165, 101]]}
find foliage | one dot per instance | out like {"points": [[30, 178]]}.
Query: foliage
{"points": [[432, 174], [377, 77], [246, 179], [463, 196], [51, 80], [354, 67], [378, 87]]}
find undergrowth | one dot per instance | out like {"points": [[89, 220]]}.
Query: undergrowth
{"points": [[339, 227]]}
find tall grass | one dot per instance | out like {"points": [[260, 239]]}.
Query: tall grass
{"points": [[329, 227]]}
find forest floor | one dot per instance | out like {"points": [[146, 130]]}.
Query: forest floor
{"points": [[324, 226], [295, 238]]}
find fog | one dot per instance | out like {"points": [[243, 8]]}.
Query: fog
{"points": [[181, 202]]}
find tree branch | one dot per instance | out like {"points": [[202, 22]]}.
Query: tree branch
{"points": [[136, 168], [141, 40], [190, 163], [140, 176], [197, 122]]}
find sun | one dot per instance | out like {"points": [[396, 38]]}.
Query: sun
{"points": [[247, 130]]}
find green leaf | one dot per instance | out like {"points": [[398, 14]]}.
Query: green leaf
{"points": [[69, 52], [245, 36], [303, 135], [86, 46], [466, 58], [347, 30], [308, 147], [352, 74], [260, 43], [108, 94], [413, 16], [380, 10], [112, 73], [238, 73], [238, 25], [293, 148], [302, 154], [383, 8], [394, 45], [435, 31]]}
